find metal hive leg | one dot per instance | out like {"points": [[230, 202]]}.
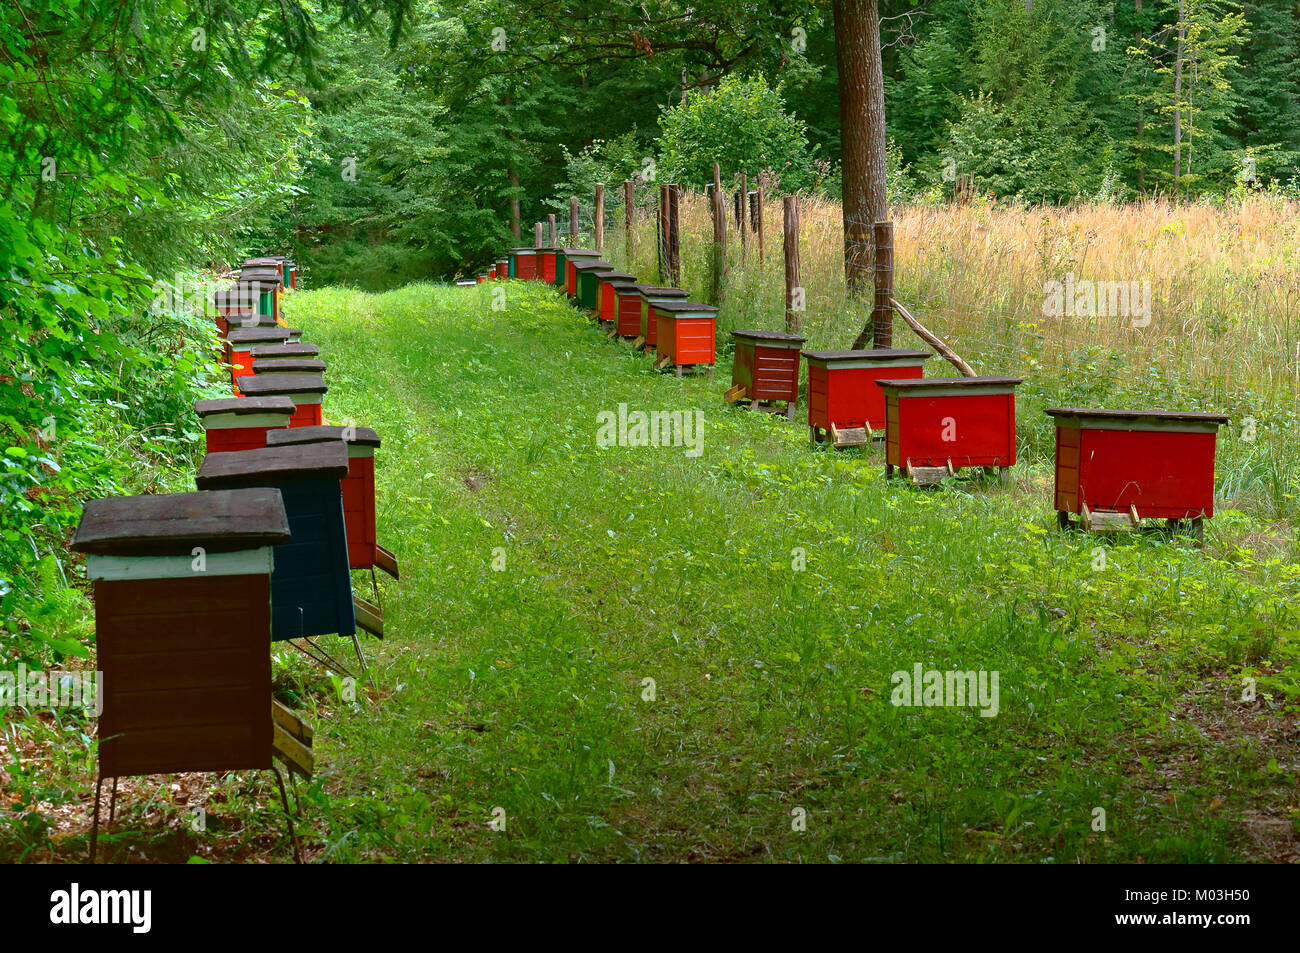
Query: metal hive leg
{"points": [[284, 798]]}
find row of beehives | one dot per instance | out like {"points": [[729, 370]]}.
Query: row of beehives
{"points": [[1114, 467], [192, 589]]}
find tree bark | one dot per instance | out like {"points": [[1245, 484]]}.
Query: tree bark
{"points": [[862, 132]]}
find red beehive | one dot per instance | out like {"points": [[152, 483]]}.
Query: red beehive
{"points": [[241, 423], [481, 278], [239, 345], [608, 294], [364, 551], [650, 295], [842, 392], [305, 390], [686, 335], [492, 273], [182, 587], [546, 259], [525, 263], [503, 269], [1140, 463], [627, 308], [950, 423], [766, 367]]}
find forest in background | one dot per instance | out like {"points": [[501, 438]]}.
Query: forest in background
{"points": [[381, 141]]}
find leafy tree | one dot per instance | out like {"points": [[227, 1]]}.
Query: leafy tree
{"points": [[742, 124]]}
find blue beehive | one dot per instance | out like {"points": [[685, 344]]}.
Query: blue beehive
{"points": [[311, 589]]}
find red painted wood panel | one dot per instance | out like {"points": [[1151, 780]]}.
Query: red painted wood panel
{"points": [[1067, 469], [359, 511], [241, 365], [776, 373], [848, 396], [1165, 474], [307, 415], [972, 430], [548, 266], [526, 266], [629, 314], [650, 326], [685, 340], [608, 302], [236, 438]]}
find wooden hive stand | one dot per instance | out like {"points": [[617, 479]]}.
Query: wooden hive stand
{"points": [[1115, 468], [765, 370], [182, 586]]}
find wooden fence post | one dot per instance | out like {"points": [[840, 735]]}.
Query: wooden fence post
{"points": [[794, 293], [882, 314], [629, 220], [573, 221], [550, 220], [719, 254], [662, 220], [758, 220], [742, 202], [537, 235], [675, 234], [598, 219]]}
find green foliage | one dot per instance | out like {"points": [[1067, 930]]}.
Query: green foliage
{"points": [[743, 125]]}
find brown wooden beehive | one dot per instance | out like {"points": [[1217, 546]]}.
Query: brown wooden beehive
{"points": [[182, 586]]}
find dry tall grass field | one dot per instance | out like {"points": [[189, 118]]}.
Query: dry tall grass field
{"points": [[1200, 309]]}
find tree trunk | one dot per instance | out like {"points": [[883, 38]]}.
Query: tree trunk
{"points": [[862, 132], [514, 206], [1178, 101]]}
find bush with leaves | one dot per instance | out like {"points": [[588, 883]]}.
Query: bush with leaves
{"points": [[743, 125]]}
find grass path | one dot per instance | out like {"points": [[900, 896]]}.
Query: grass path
{"points": [[526, 689]]}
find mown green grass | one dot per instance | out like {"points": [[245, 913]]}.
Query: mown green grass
{"points": [[523, 689]]}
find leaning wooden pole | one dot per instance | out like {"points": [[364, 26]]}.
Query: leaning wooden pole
{"points": [[598, 219], [794, 296], [758, 223], [944, 351]]}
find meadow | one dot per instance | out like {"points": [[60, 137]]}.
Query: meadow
{"points": [[636, 654]]}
